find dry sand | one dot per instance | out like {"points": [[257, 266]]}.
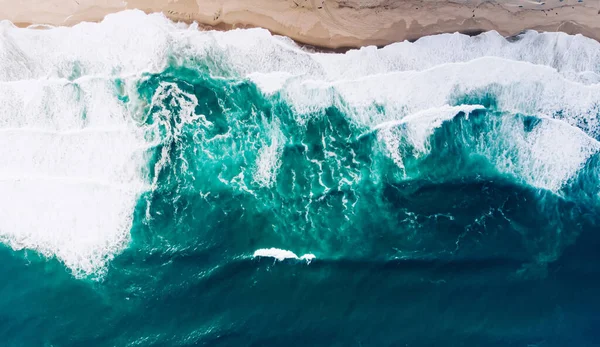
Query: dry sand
{"points": [[334, 23]]}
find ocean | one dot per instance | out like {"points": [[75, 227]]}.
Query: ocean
{"points": [[166, 186]]}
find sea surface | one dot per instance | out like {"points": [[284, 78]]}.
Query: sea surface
{"points": [[166, 186]]}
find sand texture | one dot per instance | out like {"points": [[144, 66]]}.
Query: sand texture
{"points": [[333, 23]]}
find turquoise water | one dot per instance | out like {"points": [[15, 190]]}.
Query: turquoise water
{"points": [[181, 188]]}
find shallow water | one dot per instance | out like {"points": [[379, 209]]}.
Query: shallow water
{"points": [[171, 187]]}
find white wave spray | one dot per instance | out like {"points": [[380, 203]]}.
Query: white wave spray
{"points": [[73, 155]]}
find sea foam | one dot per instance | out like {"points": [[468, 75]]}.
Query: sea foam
{"points": [[282, 254], [70, 174], [74, 156]]}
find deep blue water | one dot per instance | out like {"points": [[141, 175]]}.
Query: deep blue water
{"points": [[229, 189]]}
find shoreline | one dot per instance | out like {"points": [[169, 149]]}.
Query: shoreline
{"points": [[336, 25]]}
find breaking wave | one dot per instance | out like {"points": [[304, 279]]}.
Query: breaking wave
{"points": [[169, 139]]}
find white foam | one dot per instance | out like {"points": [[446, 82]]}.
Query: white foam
{"points": [[268, 159], [73, 157], [173, 125], [417, 128], [546, 157], [282, 254], [519, 87], [270, 83], [70, 173], [123, 43]]}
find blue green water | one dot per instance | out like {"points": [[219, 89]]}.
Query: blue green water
{"points": [[438, 198]]}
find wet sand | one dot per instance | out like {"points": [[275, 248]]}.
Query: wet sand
{"points": [[334, 24]]}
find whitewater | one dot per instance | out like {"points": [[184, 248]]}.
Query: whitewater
{"points": [[164, 185], [79, 153]]}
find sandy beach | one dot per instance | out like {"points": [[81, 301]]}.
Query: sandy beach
{"points": [[333, 23]]}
